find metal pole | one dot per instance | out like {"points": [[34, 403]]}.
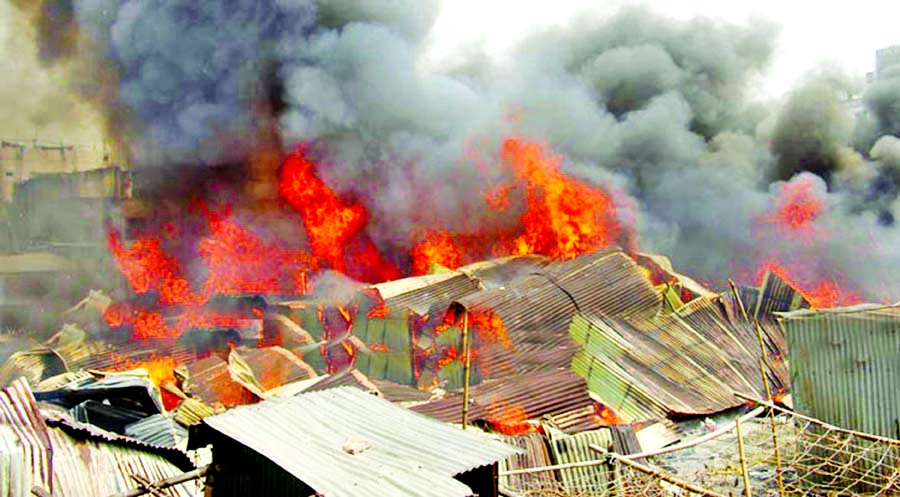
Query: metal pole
{"points": [[466, 345], [740, 437]]}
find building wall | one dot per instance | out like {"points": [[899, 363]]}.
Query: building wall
{"points": [[844, 369], [239, 472], [885, 59], [483, 481]]}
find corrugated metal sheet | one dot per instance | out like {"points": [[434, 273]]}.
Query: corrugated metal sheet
{"points": [[576, 420], [776, 296], [157, 430], [272, 367], [536, 309], [346, 378], [529, 396], [425, 294], [20, 416], [398, 393], [845, 366], [499, 272], [576, 448], [650, 368], [210, 380], [536, 455], [71, 460], [408, 454]]}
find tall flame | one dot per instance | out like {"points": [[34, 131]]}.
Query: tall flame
{"points": [[333, 226], [562, 217], [794, 217]]}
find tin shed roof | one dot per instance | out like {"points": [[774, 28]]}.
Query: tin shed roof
{"points": [[404, 453]]}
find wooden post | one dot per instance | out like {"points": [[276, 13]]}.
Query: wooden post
{"points": [[740, 438], [466, 345]]}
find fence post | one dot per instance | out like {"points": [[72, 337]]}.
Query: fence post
{"points": [[740, 439]]}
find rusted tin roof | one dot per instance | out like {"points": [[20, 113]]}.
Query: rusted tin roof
{"points": [[403, 453], [536, 308], [519, 398], [689, 362]]}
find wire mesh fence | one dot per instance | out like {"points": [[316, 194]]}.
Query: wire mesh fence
{"points": [[784, 453]]}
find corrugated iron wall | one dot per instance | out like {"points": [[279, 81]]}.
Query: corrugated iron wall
{"points": [[845, 368]]}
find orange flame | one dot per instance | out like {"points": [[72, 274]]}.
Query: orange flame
{"points": [[797, 207], [794, 215], [161, 369], [820, 293], [332, 225], [490, 328], [507, 418], [564, 217], [437, 248], [380, 311], [239, 262]]}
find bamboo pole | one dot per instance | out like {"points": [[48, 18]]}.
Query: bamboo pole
{"points": [[466, 345], [166, 483], [763, 368], [740, 439], [544, 469]]}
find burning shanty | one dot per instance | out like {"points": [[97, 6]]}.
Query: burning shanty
{"points": [[300, 257]]}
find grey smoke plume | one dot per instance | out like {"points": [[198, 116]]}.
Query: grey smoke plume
{"points": [[654, 109]]}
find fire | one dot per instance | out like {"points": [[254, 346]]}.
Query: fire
{"points": [[607, 416], [334, 227], [160, 369], [380, 311], [239, 262], [797, 206], [564, 218], [490, 328], [819, 292], [450, 355], [147, 268], [561, 216], [437, 248], [509, 419]]}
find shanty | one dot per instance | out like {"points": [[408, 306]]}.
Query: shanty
{"points": [[443, 248]]}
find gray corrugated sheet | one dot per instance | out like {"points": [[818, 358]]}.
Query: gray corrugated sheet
{"points": [[409, 454], [536, 455], [63, 421], [566, 449], [157, 430], [536, 395], [776, 296], [844, 366], [76, 461], [499, 272]]}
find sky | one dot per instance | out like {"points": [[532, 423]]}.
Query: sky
{"points": [[846, 33]]}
